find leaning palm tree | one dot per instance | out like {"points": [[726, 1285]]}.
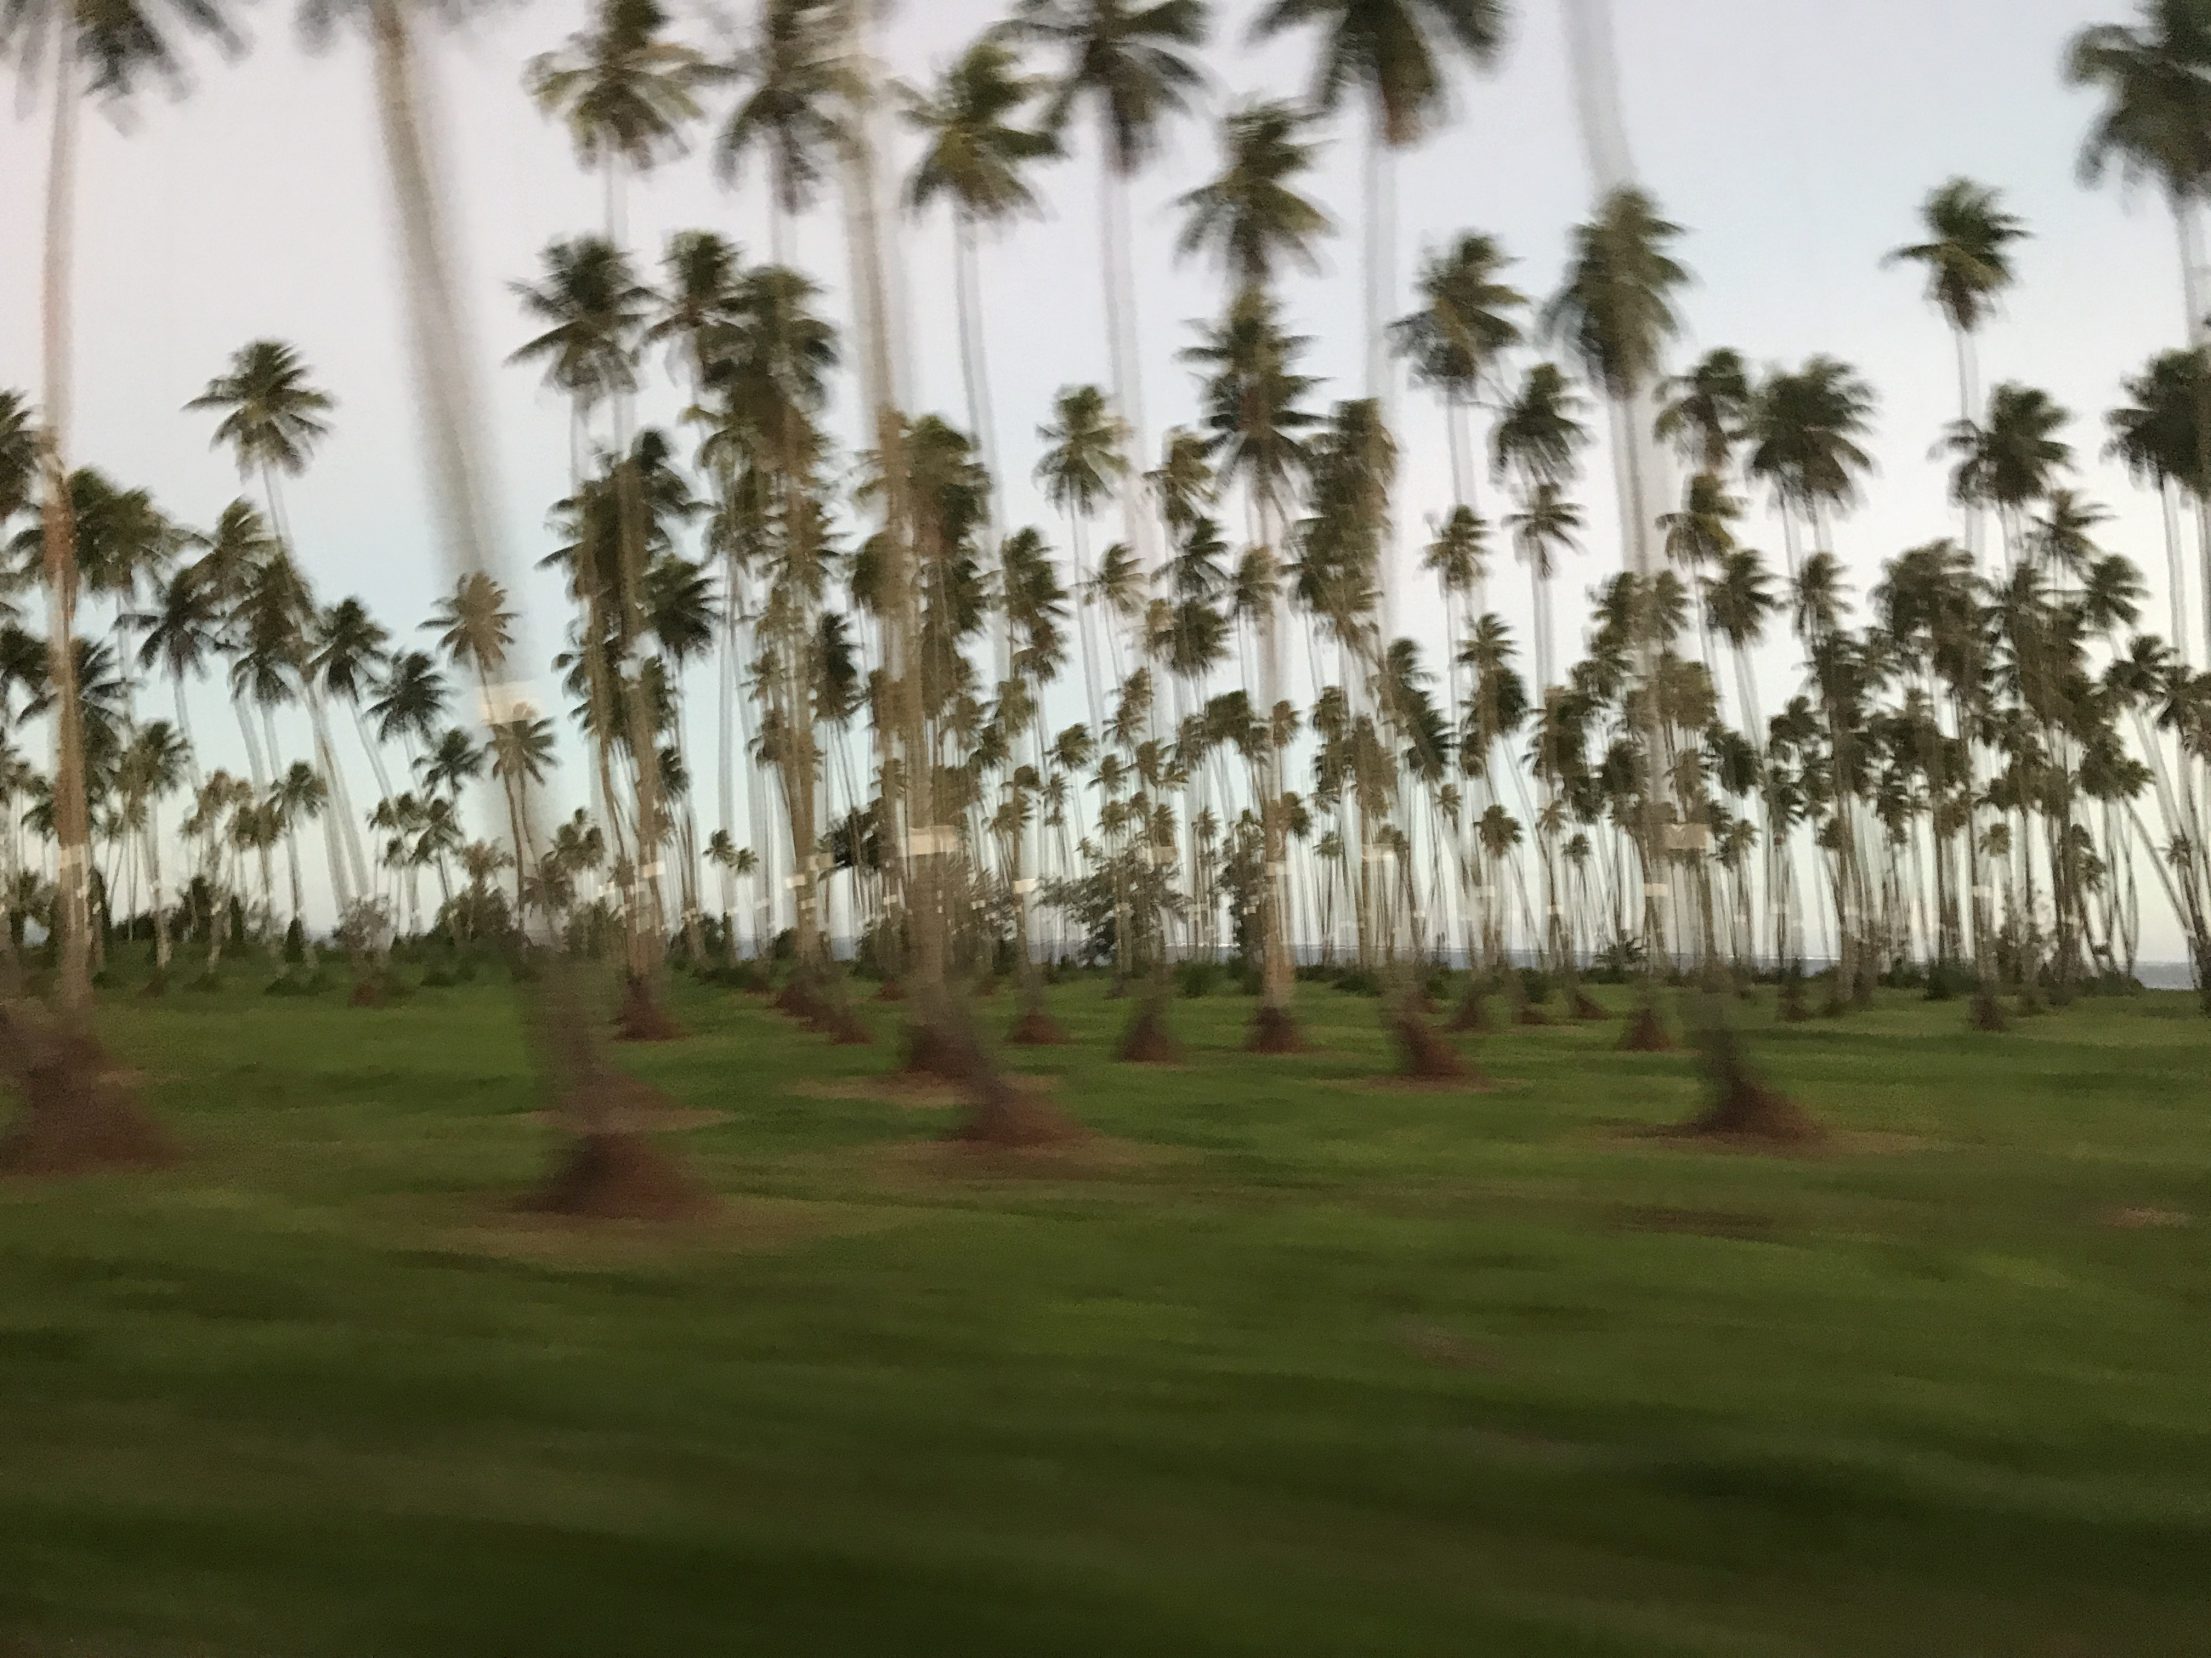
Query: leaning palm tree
{"points": [[2156, 121], [106, 52], [2162, 432], [1129, 62], [606, 1156]]}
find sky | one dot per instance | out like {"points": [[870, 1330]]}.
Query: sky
{"points": [[1793, 141]]}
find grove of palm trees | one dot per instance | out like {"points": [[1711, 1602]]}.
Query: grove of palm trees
{"points": [[1432, 1009]]}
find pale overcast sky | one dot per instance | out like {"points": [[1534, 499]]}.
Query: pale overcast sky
{"points": [[1794, 139]]}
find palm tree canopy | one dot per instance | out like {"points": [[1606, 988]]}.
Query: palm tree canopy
{"points": [[1466, 321], [1615, 311], [595, 310], [1129, 57], [2156, 82], [1084, 450], [1967, 253], [974, 150], [271, 413], [793, 109], [1803, 433], [624, 90], [1540, 432], [1393, 51], [1252, 215], [2010, 458], [116, 40], [1705, 410]]}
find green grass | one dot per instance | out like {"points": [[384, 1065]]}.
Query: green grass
{"points": [[1337, 1371]]}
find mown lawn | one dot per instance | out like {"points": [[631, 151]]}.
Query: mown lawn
{"points": [[1305, 1366]]}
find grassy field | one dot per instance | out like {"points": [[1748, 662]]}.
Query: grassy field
{"points": [[1302, 1365]]}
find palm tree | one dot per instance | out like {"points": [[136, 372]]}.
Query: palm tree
{"points": [[272, 417], [1394, 53], [1456, 341], [475, 629], [2163, 435], [351, 651], [104, 51], [1704, 412], [2010, 461], [792, 109], [1254, 217], [2156, 120], [1803, 434], [1967, 258], [624, 91], [152, 768], [1129, 61], [974, 155], [1085, 454], [1547, 525]]}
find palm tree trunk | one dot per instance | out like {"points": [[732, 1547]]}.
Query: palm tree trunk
{"points": [[72, 824]]}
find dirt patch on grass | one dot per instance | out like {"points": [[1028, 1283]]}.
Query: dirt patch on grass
{"points": [[1646, 1033], [642, 1018], [80, 1112], [1446, 1348], [1148, 1041], [1036, 1028], [620, 1176], [1274, 1031]]}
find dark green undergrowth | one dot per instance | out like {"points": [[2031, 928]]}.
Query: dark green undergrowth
{"points": [[1306, 1365]]}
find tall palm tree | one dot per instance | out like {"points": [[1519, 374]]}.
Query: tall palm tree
{"points": [[1257, 430], [1085, 455], [2156, 121], [1253, 216], [974, 157], [1967, 257], [2010, 460], [2162, 432], [625, 92], [1803, 439], [1129, 61], [1468, 320], [792, 109], [106, 52], [1615, 311], [1395, 54], [272, 417]]}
